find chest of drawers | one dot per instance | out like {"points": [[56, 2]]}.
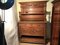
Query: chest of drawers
{"points": [[32, 21]]}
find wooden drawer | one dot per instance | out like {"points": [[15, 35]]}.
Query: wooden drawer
{"points": [[32, 40], [32, 22], [33, 18], [32, 29], [33, 10], [33, 4], [33, 7]]}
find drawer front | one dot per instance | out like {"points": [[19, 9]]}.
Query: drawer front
{"points": [[32, 40], [32, 17], [32, 29], [33, 7], [31, 10], [33, 4]]}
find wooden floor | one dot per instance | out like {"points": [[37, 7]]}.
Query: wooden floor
{"points": [[32, 44]]}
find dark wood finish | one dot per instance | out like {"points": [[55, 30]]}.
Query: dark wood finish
{"points": [[32, 40], [55, 23], [33, 18], [32, 21], [38, 22], [57, 9], [56, 0], [56, 17], [54, 41], [33, 10], [33, 7], [55, 29], [32, 29]]}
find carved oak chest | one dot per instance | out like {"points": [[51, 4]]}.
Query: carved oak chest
{"points": [[32, 25]]}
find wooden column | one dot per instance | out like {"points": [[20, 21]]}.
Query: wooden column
{"points": [[55, 22]]}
